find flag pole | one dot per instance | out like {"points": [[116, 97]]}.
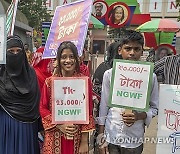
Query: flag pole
{"points": [[14, 18], [11, 16]]}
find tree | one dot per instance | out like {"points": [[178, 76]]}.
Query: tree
{"points": [[35, 11]]}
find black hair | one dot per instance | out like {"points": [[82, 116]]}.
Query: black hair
{"points": [[99, 3], [132, 36], [26, 44], [73, 48], [112, 53]]}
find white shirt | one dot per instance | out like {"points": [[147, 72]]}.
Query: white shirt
{"points": [[115, 130]]}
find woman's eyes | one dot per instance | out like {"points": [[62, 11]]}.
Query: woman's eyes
{"points": [[70, 57]]}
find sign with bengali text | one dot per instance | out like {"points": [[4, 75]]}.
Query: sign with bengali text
{"points": [[70, 102], [169, 119], [2, 39], [70, 23], [131, 84]]}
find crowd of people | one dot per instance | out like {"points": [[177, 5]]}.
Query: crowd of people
{"points": [[26, 100]]}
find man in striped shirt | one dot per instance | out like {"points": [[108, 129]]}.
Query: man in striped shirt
{"points": [[168, 68]]}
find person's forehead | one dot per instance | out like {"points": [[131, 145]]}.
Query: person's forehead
{"points": [[14, 48], [98, 5], [132, 44], [65, 51]]}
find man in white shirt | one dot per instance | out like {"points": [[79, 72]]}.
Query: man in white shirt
{"points": [[124, 132]]}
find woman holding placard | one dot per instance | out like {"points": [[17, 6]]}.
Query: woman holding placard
{"points": [[57, 135]]}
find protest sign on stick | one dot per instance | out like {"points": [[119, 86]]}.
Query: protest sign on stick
{"points": [[70, 100], [131, 84], [2, 39], [169, 120], [70, 23]]}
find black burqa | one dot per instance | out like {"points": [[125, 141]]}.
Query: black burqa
{"points": [[19, 91]]}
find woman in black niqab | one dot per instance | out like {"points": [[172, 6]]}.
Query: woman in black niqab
{"points": [[19, 102]]}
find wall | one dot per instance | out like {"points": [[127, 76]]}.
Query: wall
{"points": [[1, 9]]}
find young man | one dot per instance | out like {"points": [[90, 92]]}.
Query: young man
{"points": [[114, 123], [168, 68]]}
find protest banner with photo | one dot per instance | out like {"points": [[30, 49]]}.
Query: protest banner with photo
{"points": [[118, 21], [2, 39], [99, 9], [131, 84], [169, 120], [70, 23], [70, 102]]}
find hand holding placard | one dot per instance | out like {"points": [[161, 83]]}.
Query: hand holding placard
{"points": [[68, 130], [128, 117]]}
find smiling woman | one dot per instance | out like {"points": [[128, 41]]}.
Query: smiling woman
{"points": [[55, 134]]}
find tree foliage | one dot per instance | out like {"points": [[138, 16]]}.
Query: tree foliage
{"points": [[35, 11], [178, 6]]}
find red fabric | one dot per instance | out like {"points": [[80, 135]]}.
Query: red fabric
{"points": [[139, 19], [54, 138], [84, 69], [41, 67], [67, 146]]}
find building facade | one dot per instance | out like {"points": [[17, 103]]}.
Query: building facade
{"points": [[21, 25]]}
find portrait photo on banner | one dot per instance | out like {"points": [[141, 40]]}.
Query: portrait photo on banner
{"points": [[99, 9], [164, 50], [118, 14]]}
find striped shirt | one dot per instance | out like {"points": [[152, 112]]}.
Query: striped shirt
{"points": [[169, 69]]}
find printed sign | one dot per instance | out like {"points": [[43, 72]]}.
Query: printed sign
{"points": [[70, 23], [172, 6], [130, 84], [2, 40], [49, 5], [70, 102], [155, 6], [169, 120]]}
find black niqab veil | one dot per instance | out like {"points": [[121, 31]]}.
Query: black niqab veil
{"points": [[19, 91]]}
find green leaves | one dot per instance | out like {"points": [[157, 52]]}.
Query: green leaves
{"points": [[35, 12]]}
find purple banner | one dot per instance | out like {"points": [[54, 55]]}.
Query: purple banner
{"points": [[70, 23]]}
